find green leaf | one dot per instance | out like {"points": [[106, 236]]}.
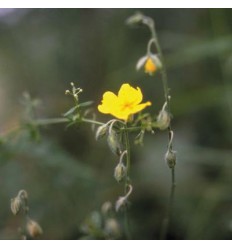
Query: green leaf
{"points": [[85, 104], [70, 111]]}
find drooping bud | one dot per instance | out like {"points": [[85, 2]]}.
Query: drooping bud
{"points": [[114, 143], [163, 120], [15, 205], [122, 200], [19, 202], [106, 208], [135, 19], [112, 228], [170, 158], [120, 203], [101, 131], [119, 172], [33, 228]]}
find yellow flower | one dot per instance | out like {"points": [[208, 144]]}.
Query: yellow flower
{"points": [[150, 62], [127, 102], [150, 66]]}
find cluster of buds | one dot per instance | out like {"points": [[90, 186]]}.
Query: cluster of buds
{"points": [[102, 224], [74, 92], [113, 138]]}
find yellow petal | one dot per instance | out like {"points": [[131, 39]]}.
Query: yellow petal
{"points": [[150, 66], [140, 107], [130, 94], [122, 115], [109, 103]]}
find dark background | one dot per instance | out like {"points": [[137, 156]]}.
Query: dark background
{"points": [[67, 173]]}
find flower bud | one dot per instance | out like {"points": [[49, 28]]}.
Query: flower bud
{"points": [[120, 172], [163, 120], [120, 203], [101, 131], [112, 228], [170, 158], [33, 228], [15, 205], [135, 19], [114, 143], [19, 202], [106, 208]]}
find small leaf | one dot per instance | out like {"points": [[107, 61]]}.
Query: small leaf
{"points": [[70, 111], [85, 104]]}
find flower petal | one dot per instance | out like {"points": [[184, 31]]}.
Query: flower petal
{"points": [[128, 94], [140, 107], [109, 103]]}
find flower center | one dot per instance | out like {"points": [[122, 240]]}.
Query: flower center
{"points": [[127, 105]]}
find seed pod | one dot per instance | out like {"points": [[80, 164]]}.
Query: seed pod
{"points": [[114, 143], [170, 158], [119, 172]]}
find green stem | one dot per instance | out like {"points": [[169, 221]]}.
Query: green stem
{"points": [[127, 144], [166, 220], [150, 23]]}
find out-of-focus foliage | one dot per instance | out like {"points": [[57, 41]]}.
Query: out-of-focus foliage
{"points": [[67, 173]]}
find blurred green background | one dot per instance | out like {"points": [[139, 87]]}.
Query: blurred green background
{"points": [[68, 174]]}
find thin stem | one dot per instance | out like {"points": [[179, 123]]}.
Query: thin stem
{"points": [[166, 220], [151, 25], [127, 143]]}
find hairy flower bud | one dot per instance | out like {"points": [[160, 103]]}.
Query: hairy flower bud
{"points": [[114, 143], [134, 19], [19, 202], [33, 228], [120, 203], [163, 120], [112, 228], [106, 208], [120, 172], [170, 158], [15, 205], [101, 131]]}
